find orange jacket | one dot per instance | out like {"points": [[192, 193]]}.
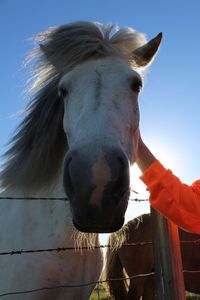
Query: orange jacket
{"points": [[177, 201]]}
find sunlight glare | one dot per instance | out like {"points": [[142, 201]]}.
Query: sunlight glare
{"points": [[170, 154], [136, 208]]}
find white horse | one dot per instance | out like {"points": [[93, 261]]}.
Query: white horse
{"points": [[78, 138]]}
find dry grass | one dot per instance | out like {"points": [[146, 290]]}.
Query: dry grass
{"points": [[191, 296], [100, 292]]}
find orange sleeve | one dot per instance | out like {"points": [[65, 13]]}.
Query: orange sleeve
{"points": [[179, 202]]}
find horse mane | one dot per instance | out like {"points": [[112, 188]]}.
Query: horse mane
{"points": [[34, 159]]}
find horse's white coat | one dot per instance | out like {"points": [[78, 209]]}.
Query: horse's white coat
{"points": [[100, 106], [47, 224], [40, 225]]}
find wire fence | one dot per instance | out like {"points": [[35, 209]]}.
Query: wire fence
{"points": [[74, 285], [57, 199], [61, 249]]}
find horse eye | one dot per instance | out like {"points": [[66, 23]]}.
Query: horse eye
{"points": [[63, 92], [136, 85]]}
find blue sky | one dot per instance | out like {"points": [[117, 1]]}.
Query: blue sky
{"points": [[170, 101]]}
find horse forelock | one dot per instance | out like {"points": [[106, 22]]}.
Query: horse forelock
{"points": [[69, 45], [37, 149]]}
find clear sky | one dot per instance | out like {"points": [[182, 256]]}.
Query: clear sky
{"points": [[170, 101]]}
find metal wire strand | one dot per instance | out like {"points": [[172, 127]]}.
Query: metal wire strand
{"points": [[73, 285], [21, 251], [35, 198], [56, 199], [59, 249]]}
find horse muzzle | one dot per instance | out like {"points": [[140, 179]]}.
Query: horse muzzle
{"points": [[98, 189]]}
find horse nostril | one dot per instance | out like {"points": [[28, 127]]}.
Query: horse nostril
{"points": [[68, 184], [121, 184]]}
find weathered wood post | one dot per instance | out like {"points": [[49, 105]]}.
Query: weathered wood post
{"points": [[167, 259]]}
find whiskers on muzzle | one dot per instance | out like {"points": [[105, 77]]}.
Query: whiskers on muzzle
{"points": [[84, 240]]}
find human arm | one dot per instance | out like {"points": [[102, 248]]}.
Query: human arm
{"points": [[177, 201]]}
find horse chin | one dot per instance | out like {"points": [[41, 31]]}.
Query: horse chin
{"points": [[105, 223], [99, 229]]}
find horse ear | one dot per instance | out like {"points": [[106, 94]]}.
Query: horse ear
{"points": [[145, 54]]}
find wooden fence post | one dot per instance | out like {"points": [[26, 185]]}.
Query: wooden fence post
{"points": [[177, 266], [167, 259]]}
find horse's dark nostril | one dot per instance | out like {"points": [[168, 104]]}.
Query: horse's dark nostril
{"points": [[68, 184], [121, 185], [68, 161]]}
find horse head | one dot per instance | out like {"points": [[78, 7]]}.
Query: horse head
{"points": [[98, 80], [101, 119]]}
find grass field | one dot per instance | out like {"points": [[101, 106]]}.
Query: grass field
{"points": [[101, 293], [191, 296]]}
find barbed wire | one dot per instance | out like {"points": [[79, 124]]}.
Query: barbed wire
{"points": [[56, 199], [190, 241], [191, 271], [35, 198], [84, 284], [60, 249], [74, 285], [139, 200]]}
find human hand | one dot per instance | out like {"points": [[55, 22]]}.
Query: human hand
{"points": [[144, 156]]}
